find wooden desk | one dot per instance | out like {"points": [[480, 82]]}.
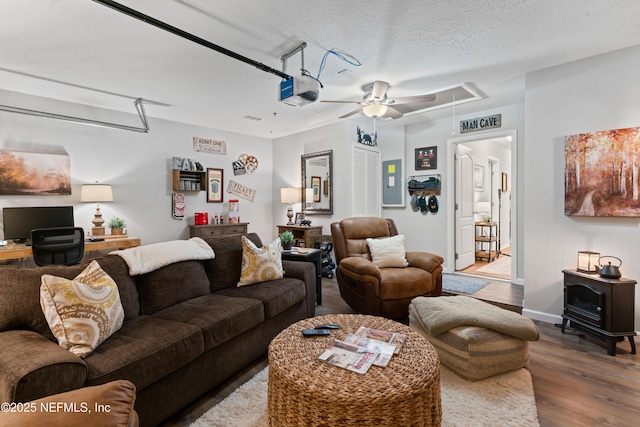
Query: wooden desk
{"points": [[20, 250]]}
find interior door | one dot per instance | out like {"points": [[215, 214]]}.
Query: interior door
{"points": [[465, 221]]}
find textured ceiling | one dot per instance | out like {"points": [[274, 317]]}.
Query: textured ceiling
{"points": [[84, 52]]}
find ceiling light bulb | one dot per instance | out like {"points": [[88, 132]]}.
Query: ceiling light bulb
{"points": [[374, 110]]}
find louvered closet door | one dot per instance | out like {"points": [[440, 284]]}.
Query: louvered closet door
{"points": [[365, 181]]}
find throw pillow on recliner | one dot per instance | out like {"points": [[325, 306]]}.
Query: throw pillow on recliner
{"points": [[260, 264], [388, 251]]}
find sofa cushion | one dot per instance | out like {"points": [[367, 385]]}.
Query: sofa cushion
{"points": [[20, 302], [82, 312], [171, 285], [260, 264], [115, 267], [220, 317], [224, 270], [388, 252], [143, 351], [398, 283], [277, 295]]}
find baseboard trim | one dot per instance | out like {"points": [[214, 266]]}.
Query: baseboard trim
{"points": [[543, 317]]}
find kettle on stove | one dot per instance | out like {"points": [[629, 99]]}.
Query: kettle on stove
{"points": [[609, 271]]}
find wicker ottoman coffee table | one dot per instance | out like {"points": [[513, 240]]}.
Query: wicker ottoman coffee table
{"points": [[304, 391]]}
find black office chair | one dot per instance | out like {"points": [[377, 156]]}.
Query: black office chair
{"points": [[58, 245]]}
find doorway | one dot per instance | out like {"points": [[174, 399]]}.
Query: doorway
{"points": [[483, 175]]}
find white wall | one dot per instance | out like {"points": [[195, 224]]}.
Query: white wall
{"points": [[598, 93], [137, 166]]}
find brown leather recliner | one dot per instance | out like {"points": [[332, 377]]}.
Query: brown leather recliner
{"points": [[385, 291], [106, 405]]}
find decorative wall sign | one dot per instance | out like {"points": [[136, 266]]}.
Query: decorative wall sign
{"points": [[426, 158], [178, 204], [245, 164], [211, 146], [481, 123], [215, 180], [185, 164], [370, 139], [601, 173], [34, 174], [241, 191]]}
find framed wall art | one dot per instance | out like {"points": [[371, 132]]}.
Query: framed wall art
{"points": [[601, 173], [478, 178], [214, 185], [315, 185], [426, 158]]}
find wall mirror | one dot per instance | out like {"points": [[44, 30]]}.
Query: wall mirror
{"points": [[317, 173]]}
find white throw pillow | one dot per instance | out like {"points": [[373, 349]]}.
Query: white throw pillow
{"points": [[82, 312], [388, 252]]}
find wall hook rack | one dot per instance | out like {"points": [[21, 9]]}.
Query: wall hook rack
{"points": [[424, 185]]}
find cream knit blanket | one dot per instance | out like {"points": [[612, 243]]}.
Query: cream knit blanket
{"points": [[143, 259], [439, 314]]}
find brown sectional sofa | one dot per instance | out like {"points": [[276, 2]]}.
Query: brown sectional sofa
{"points": [[187, 328]]}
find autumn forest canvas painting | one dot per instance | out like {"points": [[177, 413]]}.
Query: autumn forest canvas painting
{"points": [[27, 173], [602, 172]]}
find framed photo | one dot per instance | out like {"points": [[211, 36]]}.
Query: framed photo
{"points": [[214, 185], [315, 185], [426, 158], [478, 178], [299, 217]]}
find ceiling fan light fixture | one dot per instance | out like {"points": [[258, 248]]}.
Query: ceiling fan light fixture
{"points": [[374, 110]]}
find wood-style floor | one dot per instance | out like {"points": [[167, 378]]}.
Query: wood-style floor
{"points": [[575, 382]]}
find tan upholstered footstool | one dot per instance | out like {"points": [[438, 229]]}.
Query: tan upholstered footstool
{"points": [[476, 352]]}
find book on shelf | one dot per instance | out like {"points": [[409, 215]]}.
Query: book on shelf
{"points": [[348, 356], [385, 350], [394, 338]]}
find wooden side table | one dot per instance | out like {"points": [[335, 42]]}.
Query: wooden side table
{"points": [[309, 255], [302, 233]]}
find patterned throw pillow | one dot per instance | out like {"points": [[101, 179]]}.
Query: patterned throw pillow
{"points": [[82, 312], [388, 252], [260, 264]]}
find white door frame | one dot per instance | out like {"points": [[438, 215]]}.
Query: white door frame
{"points": [[513, 133]]}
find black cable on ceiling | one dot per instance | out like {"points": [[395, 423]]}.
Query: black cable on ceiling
{"points": [[164, 26]]}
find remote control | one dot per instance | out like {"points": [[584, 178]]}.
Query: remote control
{"points": [[315, 332], [328, 326]]}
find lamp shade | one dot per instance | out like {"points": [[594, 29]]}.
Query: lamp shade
{"points": [[483, 207], [290, 195], [96, 193], [587, 261], [374, 110]]}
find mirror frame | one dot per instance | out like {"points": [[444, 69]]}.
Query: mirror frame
{"points": [[304, 160]]}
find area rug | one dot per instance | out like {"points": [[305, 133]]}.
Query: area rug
{"points": [[501, 266], [503, 400], [462, 285]]}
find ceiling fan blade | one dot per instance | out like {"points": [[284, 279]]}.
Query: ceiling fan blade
{"points": [[379, 90], [393, 113], [345, 102], [412, 99], [350, 114]]}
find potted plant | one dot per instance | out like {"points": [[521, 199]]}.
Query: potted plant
{"points": [[117, 226], [286, 238]]}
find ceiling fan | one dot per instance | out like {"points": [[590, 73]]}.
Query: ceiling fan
{"points": [[376, 104]]}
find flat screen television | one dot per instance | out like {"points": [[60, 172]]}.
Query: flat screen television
{"points": [[18, 222]]}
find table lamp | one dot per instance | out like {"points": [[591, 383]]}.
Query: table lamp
{"points": [[96, 193], [290, 195]]}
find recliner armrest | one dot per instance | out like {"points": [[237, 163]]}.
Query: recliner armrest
{"points": [[110, 404], [424, 260], [360, 266]]}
